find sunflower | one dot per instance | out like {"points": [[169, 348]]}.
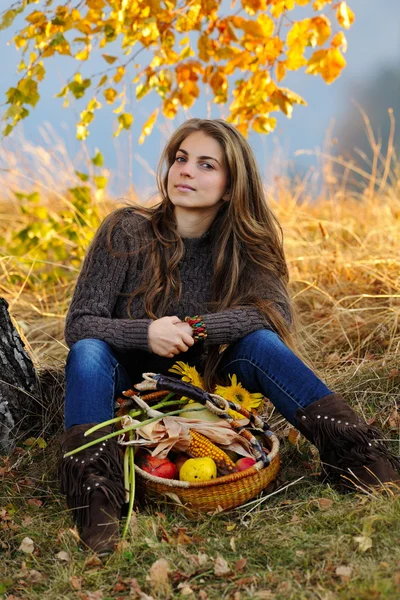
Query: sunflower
{"points": [[189, 374], [238, 394]]}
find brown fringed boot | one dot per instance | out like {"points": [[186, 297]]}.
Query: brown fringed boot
{"points": [[92, 481], [352, 453]]}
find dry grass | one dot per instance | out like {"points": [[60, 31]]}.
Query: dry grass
{"points": [[343, 252]]}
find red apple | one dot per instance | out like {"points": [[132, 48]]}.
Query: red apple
{"points": [[160, 467], [245, 463]]}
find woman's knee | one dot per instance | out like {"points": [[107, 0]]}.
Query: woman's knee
{"points": [[89, 355], [264, 340]]}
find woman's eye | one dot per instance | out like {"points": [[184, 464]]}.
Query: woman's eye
{"points": [[207, 165], [179, 158]]}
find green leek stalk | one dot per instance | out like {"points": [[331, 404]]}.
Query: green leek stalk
{"points": [[127, 430]]}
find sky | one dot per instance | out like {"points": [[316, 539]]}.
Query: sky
{"points": [[374, 44]]}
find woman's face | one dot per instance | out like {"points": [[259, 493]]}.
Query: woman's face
{"points": [[198, 178]]}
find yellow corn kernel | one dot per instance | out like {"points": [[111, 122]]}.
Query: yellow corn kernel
{"points": [[200, 447]]}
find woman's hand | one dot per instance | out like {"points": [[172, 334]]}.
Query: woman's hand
{"points": [[169, 336]]}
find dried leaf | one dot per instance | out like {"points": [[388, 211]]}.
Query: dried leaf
{"points": [[295, 519], [324, 503], [136, 591], [293, 436], [95, 595], [182, 537], [364, 542], [159, 577], [27, 545], [240, 564], [63, 556], [93, 561], [76, 582], [186, 590], [221, 567], [344, 572], [34, 502]]}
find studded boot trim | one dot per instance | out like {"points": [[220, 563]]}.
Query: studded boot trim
{"points": [[98, 468], [343, 439]]}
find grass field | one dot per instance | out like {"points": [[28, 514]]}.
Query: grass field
{"points": [[304, 542]]}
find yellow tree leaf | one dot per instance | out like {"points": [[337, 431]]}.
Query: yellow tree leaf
{"points": [[264, 124], [339, 41], [148, 126], [83, 54], [280, 70], [124, 122], [109, 59], [327, 63], [119, 74], [110, 94], [322, 28], [319, 4], [345, 15]]}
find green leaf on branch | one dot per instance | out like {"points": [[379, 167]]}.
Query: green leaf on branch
{"points": [[98, 159], [124, 122]]}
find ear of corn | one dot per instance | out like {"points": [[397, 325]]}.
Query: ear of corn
{"points": [[201, 447]]}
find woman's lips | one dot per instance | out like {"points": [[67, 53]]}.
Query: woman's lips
{"points": [[184, 188]]}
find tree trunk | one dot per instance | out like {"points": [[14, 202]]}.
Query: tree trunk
{"points": [[29, 402]]}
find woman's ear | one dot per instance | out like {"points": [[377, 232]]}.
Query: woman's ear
{"points": [[227, 196]]}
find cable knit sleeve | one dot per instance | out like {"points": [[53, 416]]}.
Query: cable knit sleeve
{"points": [[101, 279], [230, 325]]}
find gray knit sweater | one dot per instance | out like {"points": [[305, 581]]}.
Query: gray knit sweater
{"points": [[99, 304]]}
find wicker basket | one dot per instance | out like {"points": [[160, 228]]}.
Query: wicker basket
{"points": [[227, 492], [224, 492]]}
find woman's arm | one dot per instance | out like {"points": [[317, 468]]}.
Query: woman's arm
{"points": [[97, 290], [229, 325]]}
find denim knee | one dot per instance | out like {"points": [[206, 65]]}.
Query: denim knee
{"points": [[88, 355], [262, 340]]}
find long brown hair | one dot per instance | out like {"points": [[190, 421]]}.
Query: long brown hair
{"points": [[247, 239]]}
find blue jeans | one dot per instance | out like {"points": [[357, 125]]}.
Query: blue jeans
{"points": [[96, 375]]}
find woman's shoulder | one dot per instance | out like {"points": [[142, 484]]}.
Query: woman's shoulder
{"points": [[127, 221]]}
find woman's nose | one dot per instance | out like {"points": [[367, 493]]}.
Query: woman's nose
{"points": [[187, 169]]}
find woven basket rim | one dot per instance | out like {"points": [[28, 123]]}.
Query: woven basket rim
{"points": [[231, 477]]}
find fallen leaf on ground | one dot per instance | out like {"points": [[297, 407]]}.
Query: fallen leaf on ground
{"points": [[240, 564], [221, 567], [120, 586], [293, 436], [324, 503], [182, 537], [185, 589], [159, 577], [34, 502], [76, 582], [63, 556], [364, 542], [202, 595], [27, 545], [95, 595], [136, 591], [91, 595], [26, 521], [93, 561], [344, 572], [295, 519], [232, 543], [201, 559], [264, 595]]}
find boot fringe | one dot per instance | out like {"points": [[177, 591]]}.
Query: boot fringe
{"points": [[354, 445], [98, 468]]}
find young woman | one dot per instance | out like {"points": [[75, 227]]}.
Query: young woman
{"points": [[209, 257]]}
